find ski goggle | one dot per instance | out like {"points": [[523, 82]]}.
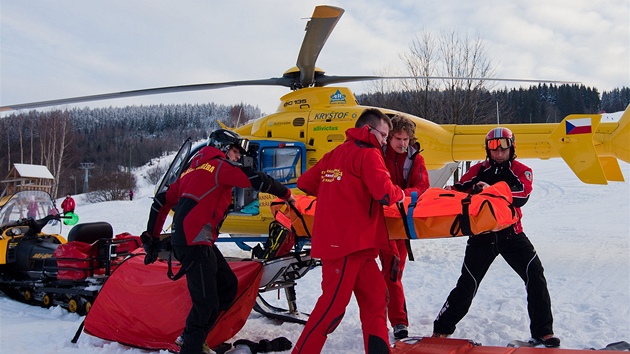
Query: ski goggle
{"points": [[243, 145], [503, 143]]}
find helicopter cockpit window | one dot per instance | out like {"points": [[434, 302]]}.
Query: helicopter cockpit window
{"points": [[281, 163]]}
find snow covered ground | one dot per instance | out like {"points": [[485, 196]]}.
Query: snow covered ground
{"points": [[581, 232]]}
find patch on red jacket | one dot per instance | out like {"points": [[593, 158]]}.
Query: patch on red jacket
{"points": [[331, 175]]}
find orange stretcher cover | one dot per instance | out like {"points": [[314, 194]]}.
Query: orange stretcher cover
{"points": [[436, 213]]}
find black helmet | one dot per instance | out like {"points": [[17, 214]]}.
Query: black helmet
{"points": [[223, 140]]}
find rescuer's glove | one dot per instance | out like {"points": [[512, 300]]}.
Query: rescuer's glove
{"points": [[151, 247]]}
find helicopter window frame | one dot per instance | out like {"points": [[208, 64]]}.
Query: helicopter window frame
{"points": [[284, 162]]}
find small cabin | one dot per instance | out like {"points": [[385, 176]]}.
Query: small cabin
{"points": [[24, 177]]}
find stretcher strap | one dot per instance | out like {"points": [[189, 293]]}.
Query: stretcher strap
{"points": [[408, 220], [299, 215], [462, 221], [403, 216]]}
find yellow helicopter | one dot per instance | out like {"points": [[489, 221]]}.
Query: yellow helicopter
{"points": [[312, 119]]}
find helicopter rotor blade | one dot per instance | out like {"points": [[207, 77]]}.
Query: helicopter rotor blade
{"points": [[286, 81], [318, 29], [281, 81], [325, 80]]}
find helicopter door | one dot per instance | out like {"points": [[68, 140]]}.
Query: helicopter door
{"points": [[282, 163], [175, 168]]}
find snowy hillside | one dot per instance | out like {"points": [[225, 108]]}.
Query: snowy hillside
{"points": [[581, 232]]}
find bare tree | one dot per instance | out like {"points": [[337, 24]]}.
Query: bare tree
{"points": [[54, 140], [32, 118], [111, 186], [461, 58], [154, 174], [421, 61], [21, 137], [7, 129]]}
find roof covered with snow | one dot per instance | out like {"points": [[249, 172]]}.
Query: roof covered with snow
{"points": [[33, 171]]}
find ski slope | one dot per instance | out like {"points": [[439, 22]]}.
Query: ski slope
{"points": [[581, 232]]}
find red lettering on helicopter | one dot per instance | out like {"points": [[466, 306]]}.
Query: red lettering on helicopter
{"points": [[330, 115]]}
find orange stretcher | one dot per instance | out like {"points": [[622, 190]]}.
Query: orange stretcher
{"points": [[436, 213]]}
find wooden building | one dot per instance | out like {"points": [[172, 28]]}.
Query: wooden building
{"points": [[24, 177]]}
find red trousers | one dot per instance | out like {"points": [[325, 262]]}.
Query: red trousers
{"points": [[356, 273], [393, 264]]}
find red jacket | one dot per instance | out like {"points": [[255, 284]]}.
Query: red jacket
{"points": [[352, 184], [68, 205], [517, 175], [202, 195], [407, 170]]}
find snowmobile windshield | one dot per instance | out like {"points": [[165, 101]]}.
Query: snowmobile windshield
{"points": [[34, 204]]}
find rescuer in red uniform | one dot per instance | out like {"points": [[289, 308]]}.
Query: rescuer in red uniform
{"points": [[408, 171], [352, 184], [200, 198]]}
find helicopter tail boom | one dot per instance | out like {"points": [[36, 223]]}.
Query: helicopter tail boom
{"points": [[591, 146]]}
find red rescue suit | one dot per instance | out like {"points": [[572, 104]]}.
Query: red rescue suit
{"points": [[409, 172], [200, 198], [351, 184], [202, 194]]}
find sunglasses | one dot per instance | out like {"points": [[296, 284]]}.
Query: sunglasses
{"points": [[503, 143]]}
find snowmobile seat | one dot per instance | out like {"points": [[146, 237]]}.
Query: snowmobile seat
{"points": [[91, 232]]}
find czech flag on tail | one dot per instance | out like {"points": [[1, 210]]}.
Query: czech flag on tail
{"points": [[578, 126]]}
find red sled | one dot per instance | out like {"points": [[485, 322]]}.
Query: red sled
{"points": [[141, 307], [430, 345]]}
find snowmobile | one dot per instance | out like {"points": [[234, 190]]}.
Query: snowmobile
{"points": [[39, 266]]}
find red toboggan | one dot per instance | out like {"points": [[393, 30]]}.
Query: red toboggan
{"points": [[141, 307]]}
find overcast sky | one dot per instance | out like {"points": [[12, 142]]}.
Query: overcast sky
{"points": [[64, 48]]}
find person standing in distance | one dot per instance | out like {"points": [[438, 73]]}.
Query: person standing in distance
{"points": [[511, 243], [200, 198], [408, 171], [68, 204], [351, 184], [31, 208]]}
